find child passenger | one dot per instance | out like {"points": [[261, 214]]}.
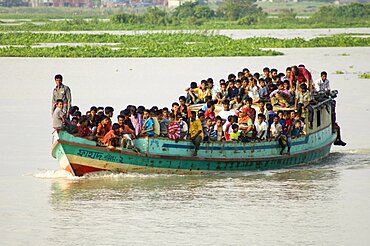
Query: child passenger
{"points": [[174, 129], [58, 115], [235, 134]]}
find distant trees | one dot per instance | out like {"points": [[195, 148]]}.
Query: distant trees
{"points": [[241, 12], [237, 9], [335, 13], [193, 9]]}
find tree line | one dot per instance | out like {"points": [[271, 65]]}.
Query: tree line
{"points": [[244, 12]]}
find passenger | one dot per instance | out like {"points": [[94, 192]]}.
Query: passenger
{"points": [[266, 73], [246, 126], [222, 95], [175, 109], [126, 119], [214, 90], [72, 126], [78, 115], [299, 118], [246, 72], [288, 71], [202, 92], [58, 115], [147, 128], [297, 129], [217, 134], [202, 119], [303, 100], [112, 138], [273, 72], [241, 91], [253, 91], [232, 92], [192, 93], [136, 119], [83, 129], [300, 75], [157, 128], [231, 77], [163, 123], [235, 134], [183, 127], [127, 133], [227, 127], [248, 109], [282, 121], [262, 91], [103, 128], [184, 109], [195, 132], [240, 75], [226, 112], [270, 118], [323, 84], [261, 109], [210, 113], [207, 129], [275, 129], [174, 128], [165, 113], [63, 93], [270, 85], [109, 113], [288, 122], [261, 127]]}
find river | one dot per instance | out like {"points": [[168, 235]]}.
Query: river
{"points": [[323, 204]]}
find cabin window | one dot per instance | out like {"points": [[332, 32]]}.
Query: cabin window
{"points": [[318, 117]]}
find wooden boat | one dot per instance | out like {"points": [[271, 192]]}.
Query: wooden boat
{"points": [[80, 156]]}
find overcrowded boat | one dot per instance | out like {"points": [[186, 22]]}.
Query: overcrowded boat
{"points": [[273, 140]]}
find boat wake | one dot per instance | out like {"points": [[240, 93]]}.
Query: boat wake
{"points": [[349, 159]]}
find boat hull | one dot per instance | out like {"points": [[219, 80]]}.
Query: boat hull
{"points": [[84, 157]]}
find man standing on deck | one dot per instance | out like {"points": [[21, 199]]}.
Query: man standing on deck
{"points": [[300, 75], [62, 92]]}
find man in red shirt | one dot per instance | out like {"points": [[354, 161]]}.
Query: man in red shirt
{"points": [[300, 75]]}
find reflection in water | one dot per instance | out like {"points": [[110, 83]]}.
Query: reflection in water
{"points": [[239, 207], [287, 184]]}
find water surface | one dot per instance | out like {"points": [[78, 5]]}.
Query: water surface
{"points": [[323, 204]]}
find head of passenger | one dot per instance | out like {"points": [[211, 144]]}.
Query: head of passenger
{"points": [[226, 105], [193, 116], [235, 128], [261, 118]]}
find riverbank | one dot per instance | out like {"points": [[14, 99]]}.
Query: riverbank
{"points": [[159, 45]]}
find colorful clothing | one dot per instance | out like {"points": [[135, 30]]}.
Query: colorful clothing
{"points": [[234, 136], [148, 124], [195, 127], [174, 131]]}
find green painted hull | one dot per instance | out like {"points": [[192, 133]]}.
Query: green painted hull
{"points": [[80, 156]]}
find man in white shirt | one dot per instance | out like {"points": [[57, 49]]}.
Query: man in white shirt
{"points": [[261, 127], [322, 84]]}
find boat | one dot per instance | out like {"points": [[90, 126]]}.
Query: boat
{"points": [[80, 156]]}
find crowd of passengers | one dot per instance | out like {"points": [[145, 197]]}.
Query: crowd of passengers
{"points": [[237, 121]]}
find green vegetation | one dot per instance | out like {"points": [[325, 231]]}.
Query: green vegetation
{"points": [[231, 14], [159, 45], [339, 72], [364, 76]]}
